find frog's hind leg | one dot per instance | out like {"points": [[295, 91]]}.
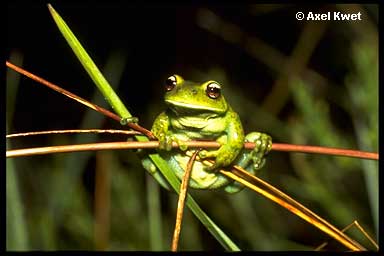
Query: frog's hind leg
{"points": [[152, 169], [234, 187]]}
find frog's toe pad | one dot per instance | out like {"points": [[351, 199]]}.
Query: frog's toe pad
{"points": [[258, 162]]}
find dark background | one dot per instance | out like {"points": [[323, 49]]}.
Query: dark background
{"points": [[256, 52]]}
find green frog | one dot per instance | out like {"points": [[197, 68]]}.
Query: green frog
{"points": [[199, 111]]}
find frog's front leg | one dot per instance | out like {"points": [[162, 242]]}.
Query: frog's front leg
{"points": [[160, 130], [224, 156], [231, 145], [252, 160]]}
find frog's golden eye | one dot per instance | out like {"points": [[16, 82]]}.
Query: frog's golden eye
{"points": [[170, 83], [213, 90]]}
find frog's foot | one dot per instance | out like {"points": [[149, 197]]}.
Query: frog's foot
{"points": [[234, 187], [263, 144], [203, 154], [127, 120], [208, 154], [223, 157], [165, 141]]}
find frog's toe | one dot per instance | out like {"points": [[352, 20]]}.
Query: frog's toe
{"points": [[165, 142], [266, 143], [258, 162], [165, 145], [258, 154], [211, 168], [182, 145], [203, 154], [215, 166], [207, 154], [220, 161], [127, 120], [162, 143]]}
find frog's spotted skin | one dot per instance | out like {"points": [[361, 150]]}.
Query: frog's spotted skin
{"points": [[198, 111]]}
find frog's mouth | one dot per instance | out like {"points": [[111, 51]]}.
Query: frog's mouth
{"points": [[182, 108]]}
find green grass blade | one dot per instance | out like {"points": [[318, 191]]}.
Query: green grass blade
{"points": [[90, 66], [154, 215], [16, 223], [120, 109]]}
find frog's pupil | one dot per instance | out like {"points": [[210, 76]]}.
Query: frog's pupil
{"points": [[170, 83]]}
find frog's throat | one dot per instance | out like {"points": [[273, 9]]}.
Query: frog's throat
{"points": [[185, 105]]}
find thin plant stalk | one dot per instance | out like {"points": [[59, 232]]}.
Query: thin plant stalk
{"points": [[181, 201], [190, 144]]}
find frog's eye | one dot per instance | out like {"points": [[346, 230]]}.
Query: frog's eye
{"points": [[213, 90], [170, 83]]}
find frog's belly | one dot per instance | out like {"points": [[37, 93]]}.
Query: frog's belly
{"points": [[200, 179]]}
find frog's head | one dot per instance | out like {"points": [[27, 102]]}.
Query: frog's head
{"points": [[189, 97]]}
